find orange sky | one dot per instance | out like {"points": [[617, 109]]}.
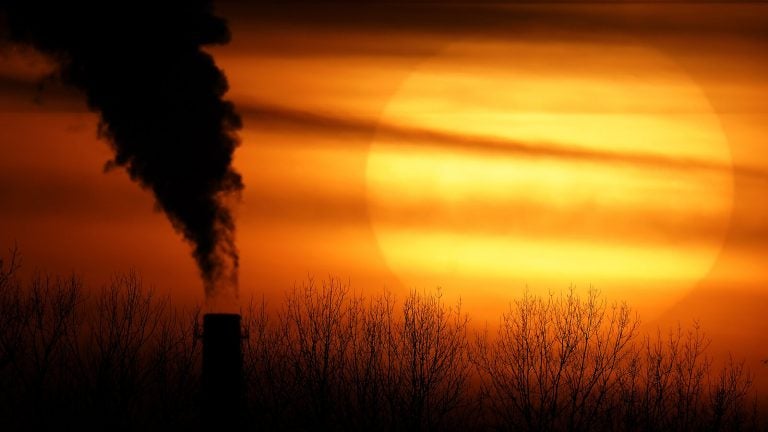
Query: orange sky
{"points": [[484, 149]]}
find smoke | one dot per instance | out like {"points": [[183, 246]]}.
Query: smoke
{"points": [[160, 99]]}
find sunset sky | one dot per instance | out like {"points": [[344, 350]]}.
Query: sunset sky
{"points": [[483, 148]]}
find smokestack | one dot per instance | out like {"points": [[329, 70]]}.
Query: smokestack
{"points": [[222, 377]]}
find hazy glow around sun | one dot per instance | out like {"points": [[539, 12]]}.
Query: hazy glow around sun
{"points": [[465, 219]]}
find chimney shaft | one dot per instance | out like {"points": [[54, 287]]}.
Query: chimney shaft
{"points": [[222, 376]]}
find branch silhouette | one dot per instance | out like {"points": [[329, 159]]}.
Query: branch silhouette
{"points": [[330, 358]]}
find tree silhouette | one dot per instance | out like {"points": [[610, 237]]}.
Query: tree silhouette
{"points": [[578, 364], [327, 358]]}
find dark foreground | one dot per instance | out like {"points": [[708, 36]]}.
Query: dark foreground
{"points": [[123, 359]]}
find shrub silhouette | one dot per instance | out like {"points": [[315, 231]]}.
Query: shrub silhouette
{"points": [[334, 360], [119, 360], [328, 358], [557, 363], [564, 362]]}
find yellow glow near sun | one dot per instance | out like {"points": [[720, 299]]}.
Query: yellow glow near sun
{"points": [[462, 218]]}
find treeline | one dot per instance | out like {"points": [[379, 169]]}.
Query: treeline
{"points": [[331, 359]]}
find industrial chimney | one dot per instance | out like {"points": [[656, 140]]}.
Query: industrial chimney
{"points": [[222, 376]]}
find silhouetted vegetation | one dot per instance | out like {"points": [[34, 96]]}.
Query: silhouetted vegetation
{"points": [[333, 359], [578, 364]]}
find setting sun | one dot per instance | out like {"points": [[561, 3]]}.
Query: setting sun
{"points": [[544, 217]]}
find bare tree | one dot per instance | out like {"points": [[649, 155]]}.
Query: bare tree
{"points": [[113, 354], [317, 328], [52, 304], [35, 322], [430, 351], [13, 310], [332, 360], [667, 379], [563, 363], [369, 375], [556, 362], [270, 384], [173, 361], [728, 399]]}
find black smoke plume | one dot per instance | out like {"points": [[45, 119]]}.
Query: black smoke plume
{"points": [[159, 96]]}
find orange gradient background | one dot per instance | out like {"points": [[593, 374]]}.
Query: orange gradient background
{"points": [[487, 150]]}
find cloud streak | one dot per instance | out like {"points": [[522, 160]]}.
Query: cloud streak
{"points": [[265, 116], [528, 20]]}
